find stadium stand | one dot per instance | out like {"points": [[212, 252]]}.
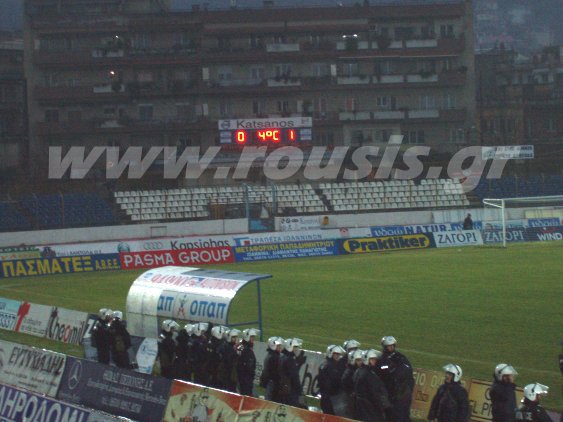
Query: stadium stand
{"points": [[12, 219], [68, 210], [515, 187], [296, 198]]}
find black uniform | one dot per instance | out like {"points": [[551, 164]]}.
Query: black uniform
{"points": [[396, 372], [290, 389], [330, 378], [213, 359], [228, 367], [371, 399], [348, 388], [120, 343], [531, 411], [270, 377], [450, 404], [166, 354], [503, 400], [246, 367], [101, 340], [183, 344], [198, 359]]}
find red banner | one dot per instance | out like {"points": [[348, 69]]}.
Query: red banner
{"points": [[151, 259]]}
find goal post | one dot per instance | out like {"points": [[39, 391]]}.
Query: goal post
{"points": [[503, 217]]}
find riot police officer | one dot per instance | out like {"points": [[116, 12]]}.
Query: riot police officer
{"points": [[355, 361], [270, 377], [291, 391], [181, 359], [229, 355], [503, 393], [246, 363], [371, 399], [167, 348], [120, 341], [198, 352], [530, 410], [396, 372], [450, 404], [213, 356], [330, 377], [100, 335]]}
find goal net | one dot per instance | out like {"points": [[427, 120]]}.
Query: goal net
{"points": [[507, 220]]}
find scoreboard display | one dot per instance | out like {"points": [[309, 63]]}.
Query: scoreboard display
{"points": [[278, 131]]}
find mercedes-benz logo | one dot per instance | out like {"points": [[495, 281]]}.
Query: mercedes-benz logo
{"points": [[75, 375], [152, 246]]}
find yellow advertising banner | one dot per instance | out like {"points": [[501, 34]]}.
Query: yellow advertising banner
{"points": [[195, 403], [426, 383], [480, 400]]}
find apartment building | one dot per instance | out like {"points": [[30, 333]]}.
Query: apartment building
{"points": [[122, 73], [13, 125]]}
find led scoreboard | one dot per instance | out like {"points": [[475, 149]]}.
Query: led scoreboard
{"points": [[273, 131]]}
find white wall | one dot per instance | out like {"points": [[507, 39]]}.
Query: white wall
{"points": [[211, 227]]}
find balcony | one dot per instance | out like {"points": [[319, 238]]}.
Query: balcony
{"points": [[429, 43], [107, 53], [352, 46], [283, 48], [422, 78], [354, 115], [283, 82], [389, 79], [108, 88], [423, 114], [353, 80], [388, 115]]}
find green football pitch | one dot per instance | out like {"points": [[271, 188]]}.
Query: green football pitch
{"points": [[475, 307]]}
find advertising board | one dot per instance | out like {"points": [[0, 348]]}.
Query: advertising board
{"points": [[61, 265], [386, 243], [17, 405], [9, 313], [150, 259], [30, 368], [114, 390], [33, 319], [457, 238], [285, 250]]}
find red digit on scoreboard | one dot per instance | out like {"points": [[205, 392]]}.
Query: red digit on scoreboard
{"points": [[241, 136], [291, 134]]}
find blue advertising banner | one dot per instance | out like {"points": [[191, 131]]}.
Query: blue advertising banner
{"points": [[18, 405], [117, 391], [61, 265], [386, 243], [8, 313], [380, 231], [545, 233], [285, 250], [543, 222]]}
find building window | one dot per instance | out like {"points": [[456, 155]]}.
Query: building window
{"points": [[382, 102], [446, 31], [350, 104], [184, 112], [320, 107], [225, 109], [184, 39], [456, 135], [52, 116], [413, 137], [316, 40], [225, 73], [404, 33], [449, 101], [282, 70], [279, 39], [324, 139], [256, 41], [427, 102], [258, 107], [382, 135], [283, 106], [320, 69], [224, 43], [550, 125], [350, 69], [257, 73], [141, 40], [145, 112]]}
